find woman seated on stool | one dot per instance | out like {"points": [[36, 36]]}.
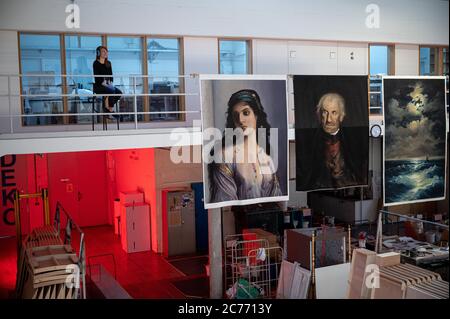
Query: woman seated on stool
{"points": [[103, 83]]}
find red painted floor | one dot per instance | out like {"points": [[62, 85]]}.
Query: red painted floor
{"points": [[142, 275]]}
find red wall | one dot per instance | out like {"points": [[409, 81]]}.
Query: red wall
{"points": [[135, 171], [78, 181], [17, 172], [86, 183]]}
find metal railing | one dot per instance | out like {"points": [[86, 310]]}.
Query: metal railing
{"points": [[382, 219], [84, 97], [70, 224]]}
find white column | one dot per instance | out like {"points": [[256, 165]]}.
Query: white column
{"points": [[215, 253]]}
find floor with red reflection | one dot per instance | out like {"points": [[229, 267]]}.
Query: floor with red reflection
{"points": [[142, 275]]}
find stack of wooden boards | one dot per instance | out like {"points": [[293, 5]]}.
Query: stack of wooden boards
{"points": [[47, 269], [395, 280]]}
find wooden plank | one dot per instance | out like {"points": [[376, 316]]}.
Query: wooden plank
{"points": [[395, 276], [426, 272], [40, 294], [50, 263], [69, 293], [357, 280], [425, 276], [407, 278], [51, 278], [389, 289], [61, 292], [414, 292], [434, 288], [388, 259], [51, 250], [53, 291], [332, 281], [300, 283], [431, 290], [285, 280], [49, 283], [52, 273]]}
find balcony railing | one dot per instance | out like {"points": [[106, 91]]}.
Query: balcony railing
{"points": [[167, 108]]}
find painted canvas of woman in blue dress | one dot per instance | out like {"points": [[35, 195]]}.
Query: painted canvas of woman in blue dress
{"points": [[247, 171]]}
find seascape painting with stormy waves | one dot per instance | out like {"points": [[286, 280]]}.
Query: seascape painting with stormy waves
{"points": [[415, 139]]}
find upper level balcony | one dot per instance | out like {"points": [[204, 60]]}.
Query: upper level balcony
{"points": [[42, 113]]}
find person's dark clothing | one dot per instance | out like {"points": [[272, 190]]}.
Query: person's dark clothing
{"points": [[99, 88], [333, 161], [102, 69]]}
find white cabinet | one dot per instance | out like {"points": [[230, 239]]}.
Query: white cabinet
{"points": [[135, 227], [131, 197]]}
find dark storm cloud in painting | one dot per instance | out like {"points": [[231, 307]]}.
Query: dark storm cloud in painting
{"points": [[415, 118]]}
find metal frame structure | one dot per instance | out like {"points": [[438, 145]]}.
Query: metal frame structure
{"points": [[379, 236], [17, 198], [253, 260]]}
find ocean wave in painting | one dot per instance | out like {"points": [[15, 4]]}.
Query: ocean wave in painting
{"points": [[410, 180]]}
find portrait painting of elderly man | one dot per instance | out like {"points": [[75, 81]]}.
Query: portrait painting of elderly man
{"points": [[331, 132]]}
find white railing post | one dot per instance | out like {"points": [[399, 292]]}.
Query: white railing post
{"points": [[9, 105], [135, 103]]}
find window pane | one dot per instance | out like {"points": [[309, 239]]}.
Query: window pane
{"points": [[125, 54], [80, 55], [428, 61], [379, 65], [379, 59], [445, 61], [445, 72], [40, 55], [163, 68], [233, 57]]}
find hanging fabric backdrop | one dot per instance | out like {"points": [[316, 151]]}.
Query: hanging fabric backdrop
{"points": [[415, 139], [257, 105], [331, 131]]}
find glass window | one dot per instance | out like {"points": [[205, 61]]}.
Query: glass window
{"points": [[429, 58], [163, 61], [445, 61], [233, 57], [379, 66], [80, 55], [40, 60], [379, 59], [125, 55], [445, 72]]}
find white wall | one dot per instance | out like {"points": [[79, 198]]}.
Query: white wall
{"points": [[270, 57], [312, 58], [402, 21], [352, 58], [406, 59], [9, 64]]}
